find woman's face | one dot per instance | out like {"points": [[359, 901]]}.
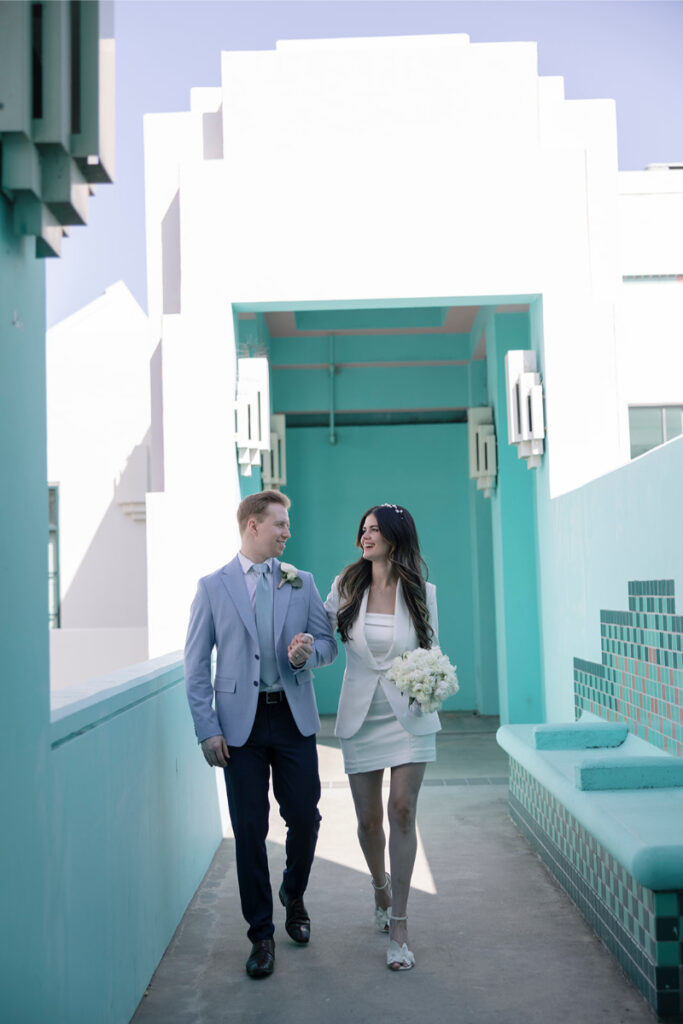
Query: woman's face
{"points": [[375, 547]]}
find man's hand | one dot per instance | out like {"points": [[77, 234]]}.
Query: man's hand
{"points": [[300, 649], [215, 751]]}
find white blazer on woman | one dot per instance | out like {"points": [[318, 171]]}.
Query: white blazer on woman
{"points": [[363, 671]]}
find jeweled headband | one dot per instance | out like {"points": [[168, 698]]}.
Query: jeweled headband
{"points": [[387, 504]]}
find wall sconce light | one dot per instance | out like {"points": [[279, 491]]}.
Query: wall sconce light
{"points": [[274, 461], [526, 423], [252, 413], [481, 434]]}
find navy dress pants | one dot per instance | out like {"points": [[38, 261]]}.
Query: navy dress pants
{"points": [[276, 744]]}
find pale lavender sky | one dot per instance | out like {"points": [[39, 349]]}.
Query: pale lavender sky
{"points": [[627, 51]]}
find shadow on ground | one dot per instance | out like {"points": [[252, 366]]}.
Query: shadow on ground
{"points": [[497, 943]]}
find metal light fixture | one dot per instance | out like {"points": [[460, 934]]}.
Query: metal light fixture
{"points": [[252, 413], [526, 422], [274, 461], [481, 435]]}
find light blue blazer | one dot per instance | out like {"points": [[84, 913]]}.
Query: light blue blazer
{"points": [[222, 617]]}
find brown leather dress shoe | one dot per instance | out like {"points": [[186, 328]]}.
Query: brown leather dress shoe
{"points": [[297, 921], [261, 959]]}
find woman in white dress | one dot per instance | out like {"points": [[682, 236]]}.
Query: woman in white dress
{"points": [[382, 606]]}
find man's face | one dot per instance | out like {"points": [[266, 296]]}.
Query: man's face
{"points": [[270, 534]]}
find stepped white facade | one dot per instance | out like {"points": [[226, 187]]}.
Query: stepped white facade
{"points": [[384, 171]]}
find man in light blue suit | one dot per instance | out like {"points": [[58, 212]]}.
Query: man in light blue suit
{"points": [[269, 628]]}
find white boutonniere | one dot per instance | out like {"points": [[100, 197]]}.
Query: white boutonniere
{"points": [[290, 574]]}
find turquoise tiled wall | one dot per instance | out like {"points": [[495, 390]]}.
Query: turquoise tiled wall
{"points": [[642, 928], [640, 679], [639, 682]]}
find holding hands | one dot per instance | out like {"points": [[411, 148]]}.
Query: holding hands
{"points": [[214, 748], [300, 649]]}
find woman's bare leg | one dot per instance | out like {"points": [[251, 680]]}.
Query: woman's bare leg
{"points": [[406, 780], [366, 789]]}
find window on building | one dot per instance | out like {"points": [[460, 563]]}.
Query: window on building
{"points": [[37, 62], [650, 425], [75, 24], [53, 557]]}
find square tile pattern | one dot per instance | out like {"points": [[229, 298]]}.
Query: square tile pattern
{"points": [[639, 682], [640, 679], [642, 928]]}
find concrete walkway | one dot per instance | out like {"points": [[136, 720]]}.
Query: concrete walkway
{"points": [[495, 939]]}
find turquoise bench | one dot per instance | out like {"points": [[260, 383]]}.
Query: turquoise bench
{"points": [[604, 810]]}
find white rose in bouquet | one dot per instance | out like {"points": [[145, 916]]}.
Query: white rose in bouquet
{"points": [[426, 676]]}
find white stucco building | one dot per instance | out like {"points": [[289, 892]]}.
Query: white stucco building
{"points": [[100, 461], [343, 190]]}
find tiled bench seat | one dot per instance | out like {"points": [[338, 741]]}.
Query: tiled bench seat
{"points": [[617, 852]]}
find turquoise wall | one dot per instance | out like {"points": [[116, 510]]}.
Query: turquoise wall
{"points": [[623, 526], [386, 376], [368, 379], [483, 605], [483, 593], [251, 484], [110, 813], [24, 655], [423, 467], [403, 370], [513, 515], [135, 826], [362, 348], [399, 371]]}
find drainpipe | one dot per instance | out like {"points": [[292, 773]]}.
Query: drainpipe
{"points": [[331, 371]]}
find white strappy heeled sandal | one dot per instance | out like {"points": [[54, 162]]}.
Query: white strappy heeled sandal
{"points": [[381, 915], [399, 957]]}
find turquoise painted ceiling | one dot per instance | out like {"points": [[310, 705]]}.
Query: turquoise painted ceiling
{"points": [[432, 319], [372, 363]]}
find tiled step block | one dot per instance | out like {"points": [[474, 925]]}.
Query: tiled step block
{"points": [[642, 928]]}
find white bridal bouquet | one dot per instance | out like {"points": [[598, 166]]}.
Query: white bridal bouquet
{"points": [[425, 676]]}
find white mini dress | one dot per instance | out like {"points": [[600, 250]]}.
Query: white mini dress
{"points": [[381, 741]]}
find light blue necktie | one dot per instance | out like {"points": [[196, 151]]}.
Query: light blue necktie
{"points": [[263, 610]]}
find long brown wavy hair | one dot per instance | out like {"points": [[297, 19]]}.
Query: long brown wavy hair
{"points": [[397, 526]]}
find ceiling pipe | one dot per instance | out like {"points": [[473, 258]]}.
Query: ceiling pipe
{"points": [[331, 371]]}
